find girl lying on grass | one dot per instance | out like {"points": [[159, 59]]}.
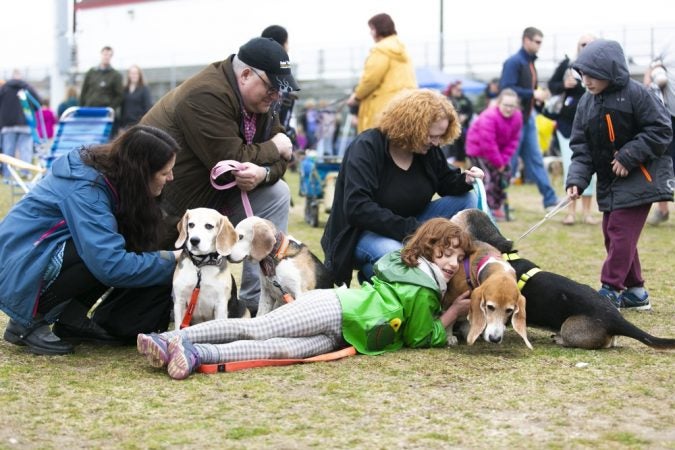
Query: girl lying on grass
{"points": [[401, 306]]}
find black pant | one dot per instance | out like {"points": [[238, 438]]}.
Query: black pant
{"points": [[124, 313]]}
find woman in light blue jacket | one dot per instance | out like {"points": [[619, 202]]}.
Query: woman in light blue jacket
{"points": [[90, 224]]}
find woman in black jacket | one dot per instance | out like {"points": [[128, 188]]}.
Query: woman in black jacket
{"points": [[387, 179], [137, 100]]}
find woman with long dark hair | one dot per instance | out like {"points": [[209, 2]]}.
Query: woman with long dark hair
{"points": [[137, 99], [92, 223]]}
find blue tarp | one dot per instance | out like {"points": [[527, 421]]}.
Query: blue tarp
{"points": [[428, 77]]}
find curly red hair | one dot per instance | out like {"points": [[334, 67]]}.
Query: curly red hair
{"points": [[407, 118], [438, 233]]}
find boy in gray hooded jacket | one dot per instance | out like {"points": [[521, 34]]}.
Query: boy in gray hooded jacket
{"points": [[620, 132]]}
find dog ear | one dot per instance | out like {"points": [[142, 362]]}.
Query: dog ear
{"points": [[477, 319], [182, 229], [226, 237], [518, 321], [263, 241]]}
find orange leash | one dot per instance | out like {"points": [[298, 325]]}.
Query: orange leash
{"points": [[187, 317], [253, 363]]}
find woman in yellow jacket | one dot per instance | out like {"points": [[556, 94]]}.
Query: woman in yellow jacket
{"points": [[388, 70]]}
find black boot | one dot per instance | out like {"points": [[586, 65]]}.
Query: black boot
{"points": [[38, 338], [73, 325], [84, 330]]}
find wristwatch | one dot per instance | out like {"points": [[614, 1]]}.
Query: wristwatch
{"points": [[267, 174]]}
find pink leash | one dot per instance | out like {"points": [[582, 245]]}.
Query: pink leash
{"points": [[224, 167]]}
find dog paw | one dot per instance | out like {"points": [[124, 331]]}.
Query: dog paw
{"points": [[452, 340]]}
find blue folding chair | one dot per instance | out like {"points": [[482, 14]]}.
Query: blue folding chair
{"points": [[80, 126], [24, 174]]}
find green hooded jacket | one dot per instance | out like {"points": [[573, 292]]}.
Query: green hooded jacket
{"points": [[400, 307]]}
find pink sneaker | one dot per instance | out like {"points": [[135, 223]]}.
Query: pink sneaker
{"points": [[155, 348]]}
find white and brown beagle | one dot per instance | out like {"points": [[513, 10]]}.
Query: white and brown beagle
{"points": [[495, 297], [203, 286], [287, 266]]}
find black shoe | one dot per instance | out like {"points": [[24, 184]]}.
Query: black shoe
{"points": [[85, 331], [39, 339]]}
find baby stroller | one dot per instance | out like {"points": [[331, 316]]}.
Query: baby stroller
{"points": [[315, 175], [319, 168]]}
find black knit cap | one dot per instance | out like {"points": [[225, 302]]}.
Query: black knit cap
{"points": [[267, 55]]}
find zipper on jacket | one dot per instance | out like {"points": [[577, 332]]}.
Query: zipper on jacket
{"points": [[612, 137]]}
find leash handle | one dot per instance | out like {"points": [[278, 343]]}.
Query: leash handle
{"points": [[228, 166]]}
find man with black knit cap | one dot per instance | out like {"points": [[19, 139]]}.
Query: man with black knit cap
{"points": [[223, 113]]}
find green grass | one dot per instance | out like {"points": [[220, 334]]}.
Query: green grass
{"points": [[480, 396]]}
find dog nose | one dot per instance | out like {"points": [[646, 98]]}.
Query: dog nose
{"points": [[495, 339], [194, 241]]}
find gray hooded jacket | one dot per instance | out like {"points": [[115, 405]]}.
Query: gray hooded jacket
{"points": [[625, 121]]}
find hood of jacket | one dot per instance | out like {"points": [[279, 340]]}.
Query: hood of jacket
{"points": [[392, 47], [16, 84], [604, 60], [70, 166], [391, 269]]}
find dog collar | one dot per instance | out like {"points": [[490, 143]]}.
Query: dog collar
{"points": [[482, 263], [212, 259], [524, 278], [489, 259], [280, 246], [467, 273]]}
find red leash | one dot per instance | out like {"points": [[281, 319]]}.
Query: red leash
{"points": [[228, 166], [187, 317], [253, 363]]}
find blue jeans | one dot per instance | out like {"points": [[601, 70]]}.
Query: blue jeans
{"points": [[533, 162], [372, 246], [21, 142]]}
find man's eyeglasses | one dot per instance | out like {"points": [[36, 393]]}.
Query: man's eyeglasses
{"points": [[537, 41], [271, 90]]}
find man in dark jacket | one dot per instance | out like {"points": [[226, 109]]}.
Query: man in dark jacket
{"points": [[103, 85], [519, 74], [223, 113], [15, 130], [621, 132]]}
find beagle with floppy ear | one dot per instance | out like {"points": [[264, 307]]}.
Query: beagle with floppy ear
{"points": [[495, 297], [578, 315], [203, 285], [287, 266]]}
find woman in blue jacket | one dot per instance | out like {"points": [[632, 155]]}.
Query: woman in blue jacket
{"points": [[90, 224]]}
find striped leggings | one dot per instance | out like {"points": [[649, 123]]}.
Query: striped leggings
{"points": [[309, 326]]}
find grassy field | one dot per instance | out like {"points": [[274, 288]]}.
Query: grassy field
{"points": [[482, 396]]}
